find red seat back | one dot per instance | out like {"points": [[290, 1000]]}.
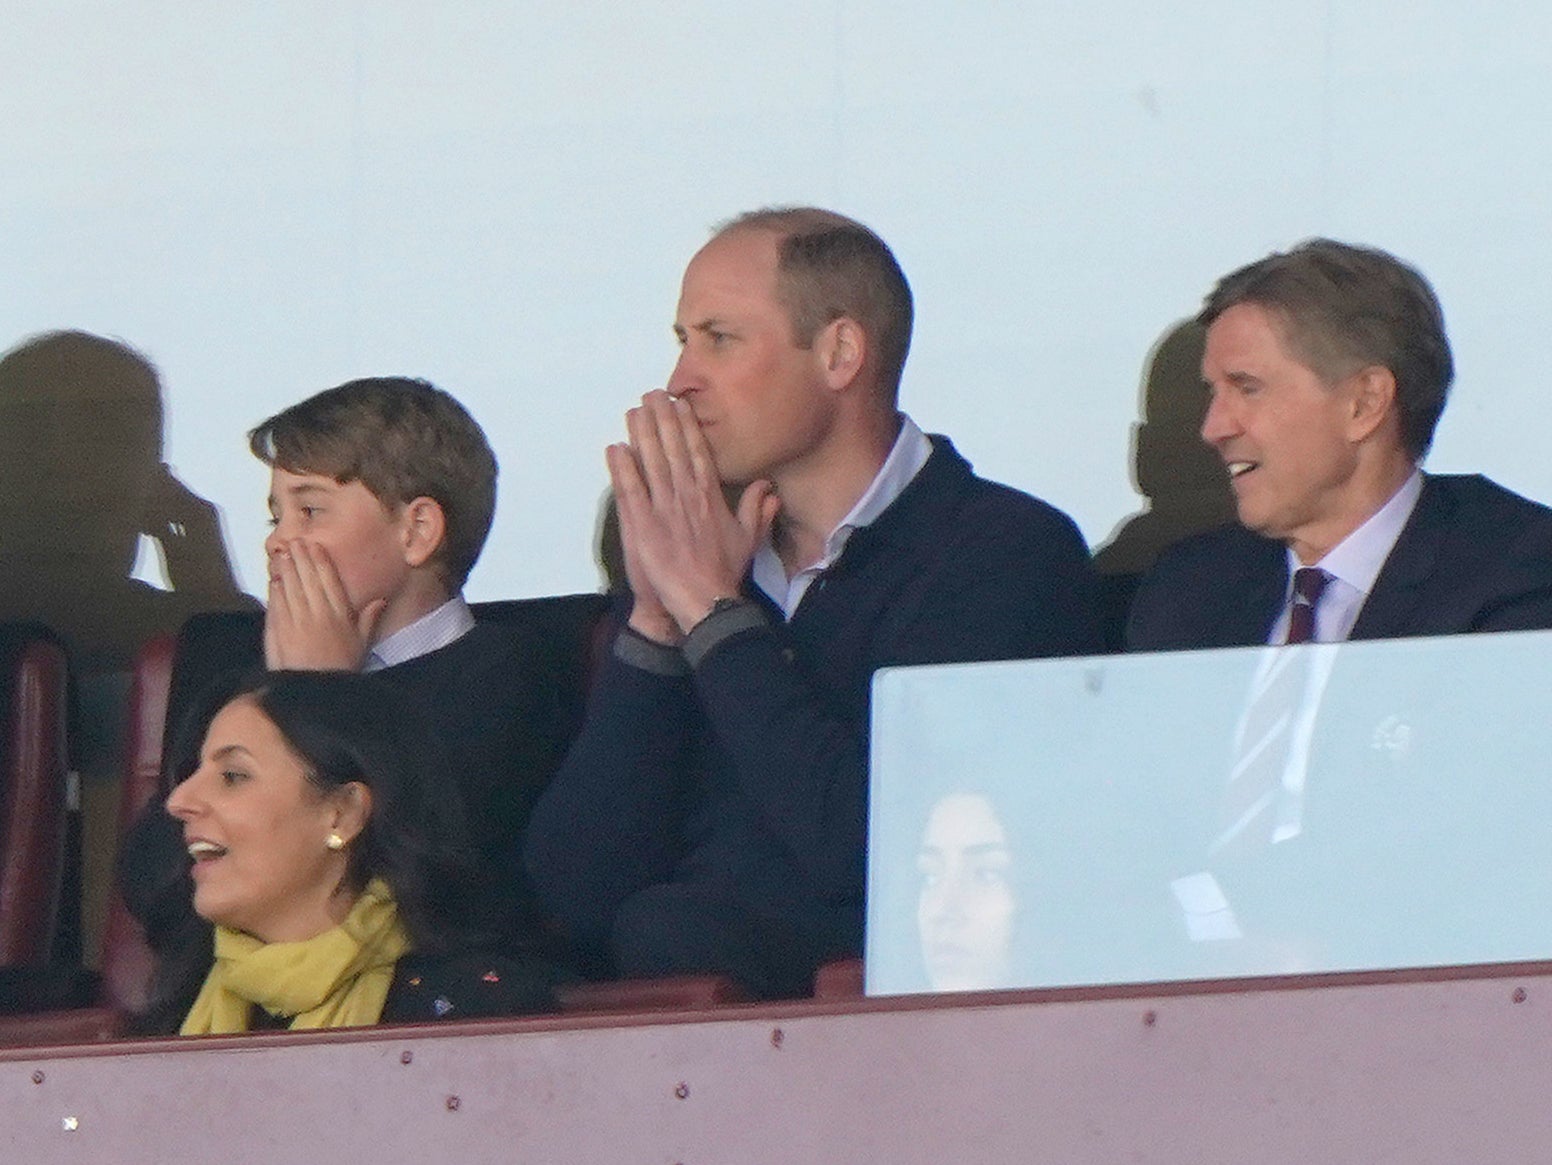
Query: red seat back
{"points": [[841, 979], [34, 771], [127, 963], [673, 993]]}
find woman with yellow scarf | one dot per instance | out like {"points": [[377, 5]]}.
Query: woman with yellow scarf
{"points": [[330, 853]]}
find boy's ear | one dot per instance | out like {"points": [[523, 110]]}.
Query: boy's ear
{"points": [[424, 526]]}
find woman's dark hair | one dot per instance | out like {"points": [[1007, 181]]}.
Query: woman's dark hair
{"points": [[347, 727]]}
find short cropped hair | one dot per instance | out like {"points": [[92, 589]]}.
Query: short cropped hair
{"points": [[402, 439], [1344, 308], [829, 266]]}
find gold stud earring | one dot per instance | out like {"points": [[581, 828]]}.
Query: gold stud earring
{"points": [[335, 842]]}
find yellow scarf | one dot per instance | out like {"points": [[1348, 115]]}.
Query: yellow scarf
{"points": [[339, 978]]}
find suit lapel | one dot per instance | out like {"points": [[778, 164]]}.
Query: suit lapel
{"points": [[1403, 580], [1252, 600], [1264, 596]]}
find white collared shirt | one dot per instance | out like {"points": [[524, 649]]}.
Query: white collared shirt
{"points": [[1353, 564], [432, 631], [910, 452]]}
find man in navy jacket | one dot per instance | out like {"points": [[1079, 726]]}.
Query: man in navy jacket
{"points": [[712, 815]]}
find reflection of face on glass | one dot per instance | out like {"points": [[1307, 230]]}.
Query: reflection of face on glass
{"points": [[967, 905]]}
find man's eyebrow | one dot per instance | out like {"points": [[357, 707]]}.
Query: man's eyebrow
{"points": [[1237, 379]]}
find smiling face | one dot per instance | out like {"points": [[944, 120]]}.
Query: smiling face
{"points": [[1290, 440], [761, 400], [967, 906], [257, 831]]}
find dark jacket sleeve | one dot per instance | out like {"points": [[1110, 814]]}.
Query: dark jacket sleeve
{"points": [[1008, 580], [610, 822]]}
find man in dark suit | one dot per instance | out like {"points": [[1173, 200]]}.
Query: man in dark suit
{"points": [[1328, 368]]}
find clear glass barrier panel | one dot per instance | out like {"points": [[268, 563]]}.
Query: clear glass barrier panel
{"points": [[1201, 814]]}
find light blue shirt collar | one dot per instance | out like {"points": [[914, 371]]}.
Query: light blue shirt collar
{"points": [[431, 632], [1354, 564], [906, 458]]}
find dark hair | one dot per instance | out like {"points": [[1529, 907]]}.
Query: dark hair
{"points": [[1343, 308], [346, 727], [402, 439], [830, 266], [350, 727]]}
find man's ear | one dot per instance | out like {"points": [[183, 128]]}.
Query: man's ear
{"points": [[352, 810], [425, 526], [842, 349], [1373, 401]]}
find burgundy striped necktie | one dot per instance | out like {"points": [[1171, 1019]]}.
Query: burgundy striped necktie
{"points": [[1308, 583]]}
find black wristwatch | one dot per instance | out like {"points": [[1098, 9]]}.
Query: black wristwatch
{"points": [[722, 603]]}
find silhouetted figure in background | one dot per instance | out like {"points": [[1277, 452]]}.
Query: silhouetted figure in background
{"points": [[81, 478], [1182, 478], [608, 549]]}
